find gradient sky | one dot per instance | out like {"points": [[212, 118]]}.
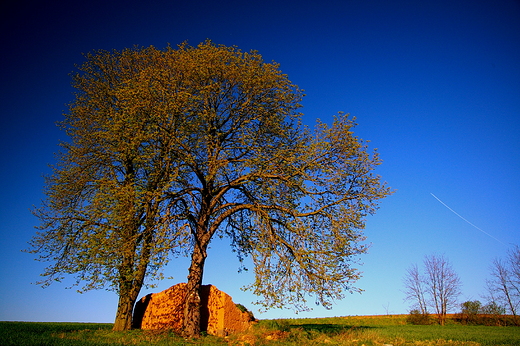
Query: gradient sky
{"points": [[434, 85]]}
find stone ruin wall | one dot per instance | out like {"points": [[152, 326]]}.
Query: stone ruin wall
{"points": [[164, 310]]}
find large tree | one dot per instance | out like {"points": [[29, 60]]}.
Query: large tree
{"points": [[106, 218], [172, 147]]}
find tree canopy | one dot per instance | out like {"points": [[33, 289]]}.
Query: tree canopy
{"points": [[169, 148]]}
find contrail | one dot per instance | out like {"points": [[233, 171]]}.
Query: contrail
{"points": [[454, 212]]}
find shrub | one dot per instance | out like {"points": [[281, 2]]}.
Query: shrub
{"points": [[418, 318], [491, 314], [470, 312], [244, 309]]}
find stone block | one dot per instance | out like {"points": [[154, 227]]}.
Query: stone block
{"points": [[164, 310]]}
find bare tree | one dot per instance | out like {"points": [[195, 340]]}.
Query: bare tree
{"points": [[442, 284], [514, 267], [438, 288], [504, 285], [414, 288]]}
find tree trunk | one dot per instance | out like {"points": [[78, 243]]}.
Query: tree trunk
{"points": [[129, 288], [192, 305], [128, 293], [124, 310], [131, 281]]}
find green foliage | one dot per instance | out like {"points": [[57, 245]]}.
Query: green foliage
{"points": [[493, 308], [241, 307], [244, 309], [471, 307], [491, 314], [168, 148], [470, 311]]}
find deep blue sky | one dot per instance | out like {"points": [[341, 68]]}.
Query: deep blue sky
{"points": [[435, 86]]}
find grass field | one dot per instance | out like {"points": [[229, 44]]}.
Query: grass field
{"points": [[355, 331]]}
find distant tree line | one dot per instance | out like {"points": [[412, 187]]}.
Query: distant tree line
{"points": [[435, 291]]}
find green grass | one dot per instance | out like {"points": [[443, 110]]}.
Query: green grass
{"points": [[484, 335], [348, 331], [88, 334], [379, 330], [35, 333]]}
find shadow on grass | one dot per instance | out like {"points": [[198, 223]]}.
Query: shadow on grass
{"points": [[329, 328]]}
